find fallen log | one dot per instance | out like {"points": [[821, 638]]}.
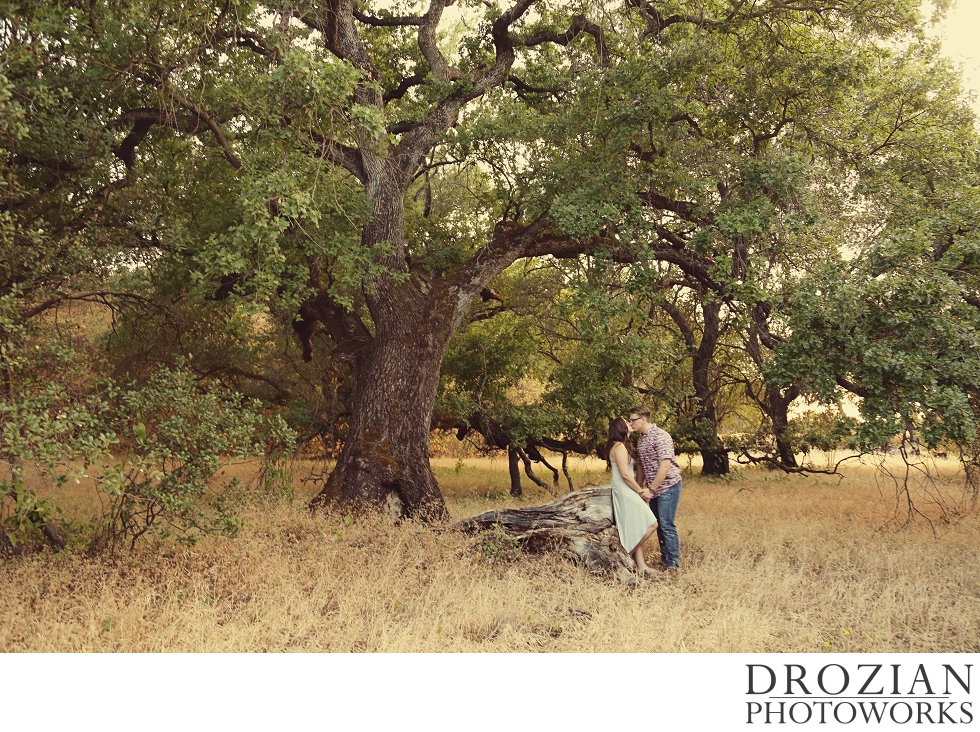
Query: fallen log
{"points": [[578, 526]]}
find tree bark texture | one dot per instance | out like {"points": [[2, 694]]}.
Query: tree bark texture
{"points": [[395, 369], [529, 471], [777, 409], [578, 526], [715, 462], [514, 468], [714, 457], [385, 458], [50, 531], [705, 422], [773, 400]]}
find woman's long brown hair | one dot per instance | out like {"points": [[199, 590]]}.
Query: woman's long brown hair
{"points": [[618, 432]]}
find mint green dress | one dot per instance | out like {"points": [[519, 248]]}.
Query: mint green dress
{"points": [[631, 514]]}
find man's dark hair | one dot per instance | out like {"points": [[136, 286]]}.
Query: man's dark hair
{"points": [[640, 411]]}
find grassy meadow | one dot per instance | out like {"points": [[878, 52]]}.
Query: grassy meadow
{"points": [[770, 563]]}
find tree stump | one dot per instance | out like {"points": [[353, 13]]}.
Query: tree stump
{"points": [[578, 526]]}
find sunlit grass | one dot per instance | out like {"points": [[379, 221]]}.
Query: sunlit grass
{"points": [[770, 563]]}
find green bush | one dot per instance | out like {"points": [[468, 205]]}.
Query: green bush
{"points": [[153, 450]]}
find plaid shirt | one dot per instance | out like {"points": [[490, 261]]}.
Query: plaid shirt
{"points": [[654, 446]]}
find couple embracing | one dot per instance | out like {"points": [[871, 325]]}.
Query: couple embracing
{"points": [[657, 481]]}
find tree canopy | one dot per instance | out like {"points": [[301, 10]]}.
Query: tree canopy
{"points": [[718, 207]]}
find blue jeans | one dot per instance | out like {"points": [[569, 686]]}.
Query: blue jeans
{"points": [[664, 507]]}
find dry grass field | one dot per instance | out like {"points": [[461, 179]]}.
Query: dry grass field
{"points": [[770, 563]]}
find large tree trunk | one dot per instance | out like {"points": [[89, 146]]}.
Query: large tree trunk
{"points": [[715, 462], [713, 454], [395, 368], [777, 407], [773, 400], [385, 458], [578, 526], [514, 468], [705, 421]]}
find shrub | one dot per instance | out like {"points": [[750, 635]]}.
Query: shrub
{"points": [[174, 434]]}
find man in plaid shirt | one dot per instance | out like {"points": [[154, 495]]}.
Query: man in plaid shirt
{"points": [[660, 475]]}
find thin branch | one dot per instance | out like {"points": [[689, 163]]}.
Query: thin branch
{"points": [[744, 458], [685, 209], [580, 24], [95, 296], [440, 164], [281, 390], [348, 158], [403, 86], [54, 164], [693, 123], [690, 340], [522, 87], [212, 124], [415, 145], [387, 21], [250, 40]]}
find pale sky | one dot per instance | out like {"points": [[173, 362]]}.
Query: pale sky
{"points": [[960, 33]]}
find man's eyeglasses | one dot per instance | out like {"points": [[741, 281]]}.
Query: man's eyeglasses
{"points": [[634, 419]]}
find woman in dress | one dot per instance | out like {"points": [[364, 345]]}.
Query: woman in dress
{"points": [[631, 514]]}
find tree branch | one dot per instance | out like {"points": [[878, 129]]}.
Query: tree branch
{"points": [[280, 389], [344, 327], [126, 151], [388, 21], [401, 127], [580, 24], [522, 87], [656, 22], [685, 327], [403, 86], [428, 46], [339, 33], [758, 139], [856, 390], [95, 296], [760, 317], [689, 264], [802, 470], [252, 41], [693, 123], [416, 142], [685, 209], [212, 124], [348, 158]]}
